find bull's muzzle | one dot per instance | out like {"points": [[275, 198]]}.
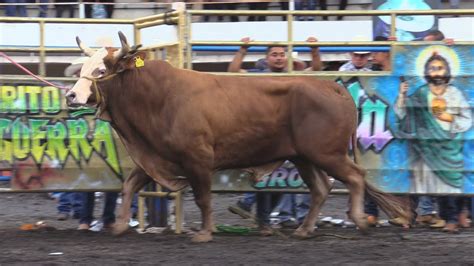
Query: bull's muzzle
{"points": [[71, 98]]}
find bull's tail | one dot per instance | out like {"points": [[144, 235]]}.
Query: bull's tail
{"points": [[354, 140], [354, 147], [393, 206]]}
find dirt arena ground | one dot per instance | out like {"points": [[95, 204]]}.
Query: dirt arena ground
{"points": [[61, 244]]}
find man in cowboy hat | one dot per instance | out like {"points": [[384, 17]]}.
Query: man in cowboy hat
{"points": [[74, 69]]}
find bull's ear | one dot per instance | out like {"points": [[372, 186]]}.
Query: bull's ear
{"points": [[135, 60]]}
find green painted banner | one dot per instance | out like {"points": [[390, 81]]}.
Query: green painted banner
{"points": [[51, 147], [423, 144]]}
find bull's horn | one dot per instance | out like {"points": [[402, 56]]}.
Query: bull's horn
{"points": [[125, 47], [85, 49]]}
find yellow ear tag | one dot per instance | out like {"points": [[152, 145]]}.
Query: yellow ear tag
{"points": [[139, 62]]}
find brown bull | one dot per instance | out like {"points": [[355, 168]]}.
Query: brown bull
{"points": [[176, 122]]}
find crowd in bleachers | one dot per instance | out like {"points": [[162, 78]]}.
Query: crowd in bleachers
{"points": [[62, 8], [104, 8]]}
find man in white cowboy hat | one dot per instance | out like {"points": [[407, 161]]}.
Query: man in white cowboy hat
{"points": [[359, 62], [86, 199], [71, 201], [74, 69], [359, 59]]}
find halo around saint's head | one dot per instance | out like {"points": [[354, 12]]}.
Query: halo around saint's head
{"points": [[449, 54]]}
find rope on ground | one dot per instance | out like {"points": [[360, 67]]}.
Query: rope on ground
{"points": [[330, 235]]}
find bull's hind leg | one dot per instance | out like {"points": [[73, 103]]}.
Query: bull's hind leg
{"points": [[346, 171], [319, 187], [134, 182]]}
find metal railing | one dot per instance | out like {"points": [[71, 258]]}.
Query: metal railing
{"points": [[182, 20], [174, 17], [138, 25], [290, 44], [183, 53]]}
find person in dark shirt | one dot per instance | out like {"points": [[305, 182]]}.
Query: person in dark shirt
{"points": [[275, 61]]}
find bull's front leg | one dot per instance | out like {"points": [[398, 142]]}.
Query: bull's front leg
{"points": [[134, 182], [202, 196], [197, 162]]}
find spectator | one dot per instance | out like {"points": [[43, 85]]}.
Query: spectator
{"points": [[87, 212], [454, 4], [64, 6], [74, 69], [305, 5], [257, 6], [69, 201], [323, 6], [447, 124], [426, 211], [43, 9], [284, 5], [342, 6], [276, 61], [243, 207], [293, 208], [311, 5], [15, 10], [221, 6], [232, 6], [381, 60], [211, 7], [100, 9], [450, 207], [437, 35], [428, 215], [359, 62]]}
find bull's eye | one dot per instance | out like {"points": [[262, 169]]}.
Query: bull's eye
{"points": [[99, 72]]}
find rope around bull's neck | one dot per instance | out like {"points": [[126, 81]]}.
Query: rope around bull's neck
{"points": [[98, 95]]}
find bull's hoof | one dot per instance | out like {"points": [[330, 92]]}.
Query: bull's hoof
{"points": [[361, 223], [266, 231], [301, 233], [202, 237], [119, 228], [363, 227]]}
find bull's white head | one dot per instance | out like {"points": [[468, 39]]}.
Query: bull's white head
{"points": [[83, 93]]}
